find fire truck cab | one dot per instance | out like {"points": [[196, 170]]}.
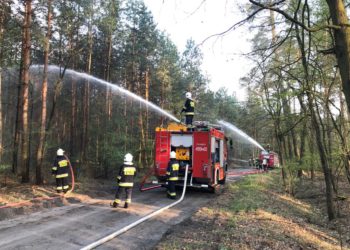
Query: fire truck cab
{"points": [[203, 148]]}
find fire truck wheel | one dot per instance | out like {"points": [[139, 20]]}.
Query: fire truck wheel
{"points": [[217, 181], [222, 182], [214, 189]]}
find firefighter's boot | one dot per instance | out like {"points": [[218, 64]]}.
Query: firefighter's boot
{"points": [[126, 205], [114, 204]]}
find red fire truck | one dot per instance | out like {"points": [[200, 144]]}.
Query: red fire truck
{"points": [[272, 158], [203, 148]]}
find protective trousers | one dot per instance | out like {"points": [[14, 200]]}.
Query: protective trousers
{"points": [[171, 190], [128, 192], [189, 119], [62, 184]]}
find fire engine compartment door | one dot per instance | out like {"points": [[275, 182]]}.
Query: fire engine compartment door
{"points": [[181, 141], [201, 155]]}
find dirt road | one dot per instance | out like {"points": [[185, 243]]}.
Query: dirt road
{"points": [[77, 225]]}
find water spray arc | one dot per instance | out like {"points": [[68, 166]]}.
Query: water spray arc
{"points": [[239, 132], [115, 88]]}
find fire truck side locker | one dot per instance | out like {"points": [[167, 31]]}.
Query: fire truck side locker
{"points": [[202, 167]]}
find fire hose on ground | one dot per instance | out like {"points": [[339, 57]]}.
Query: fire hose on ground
{"points": [[124, 229], [72, 174]]}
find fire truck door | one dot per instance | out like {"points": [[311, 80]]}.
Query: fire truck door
{"points": [[201, 155]]}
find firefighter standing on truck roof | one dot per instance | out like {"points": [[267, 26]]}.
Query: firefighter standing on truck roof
{"points": [[60, 171], [125, 178], [172, 175], [188, 109]]}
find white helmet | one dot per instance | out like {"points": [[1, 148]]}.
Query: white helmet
{"points": [[172, 155], [60, 152], [188, 95], [128, 158]]}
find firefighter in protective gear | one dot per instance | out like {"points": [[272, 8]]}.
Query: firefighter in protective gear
{"points": [[172, 175], [188, 108], [60, 171], [125, 180]]}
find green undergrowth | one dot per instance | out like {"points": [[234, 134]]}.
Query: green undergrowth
{"points": [[255, 213], [250, 193]]}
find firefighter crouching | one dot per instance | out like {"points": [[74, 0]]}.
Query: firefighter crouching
{"points": [[172, 175], [125, 180], [60, 171]]}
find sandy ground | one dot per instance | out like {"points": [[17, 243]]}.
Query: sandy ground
{"points": [[75, 225]]}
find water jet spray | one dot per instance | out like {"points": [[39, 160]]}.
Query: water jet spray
{"points": [[115, 88], [239, 132]]}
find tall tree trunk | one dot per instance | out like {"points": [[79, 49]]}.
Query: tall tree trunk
{"points": [[24, 163], [141, 126], [86, 103], [316, 128], [324, 162], [147, 82], [126, 137], [42, 133], [74, 107], [16, 132], [142, 135], [342, 43], [18, 120], [344, 121], [108, 107], [2, 20], [1, 121], [303, 134], [290, 146], [73, 118], [312, 153], [108, 78], [328, 142]]}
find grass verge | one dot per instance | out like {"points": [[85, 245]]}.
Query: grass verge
{"points": [[254, 213]]}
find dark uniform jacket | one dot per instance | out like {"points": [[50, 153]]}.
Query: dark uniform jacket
{"points": [[126, 175], [60, 167], [173, 170], [188, 107]]}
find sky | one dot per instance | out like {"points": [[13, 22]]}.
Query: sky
{"points": [[198, 19]]}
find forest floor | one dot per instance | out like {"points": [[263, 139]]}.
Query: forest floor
{"points": [[255, 213], [17, 198], [252, 213]]}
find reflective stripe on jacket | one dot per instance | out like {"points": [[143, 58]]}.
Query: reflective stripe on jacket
{"points": [[173, 170], [60, 167], [126, 175], [188, 107]]}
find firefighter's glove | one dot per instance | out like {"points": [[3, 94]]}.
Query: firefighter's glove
{"points": [[166, 183]]}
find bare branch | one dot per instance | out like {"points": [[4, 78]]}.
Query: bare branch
{"points": [[199, 6], [327, 51], [290, 18], [232, 27]]}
